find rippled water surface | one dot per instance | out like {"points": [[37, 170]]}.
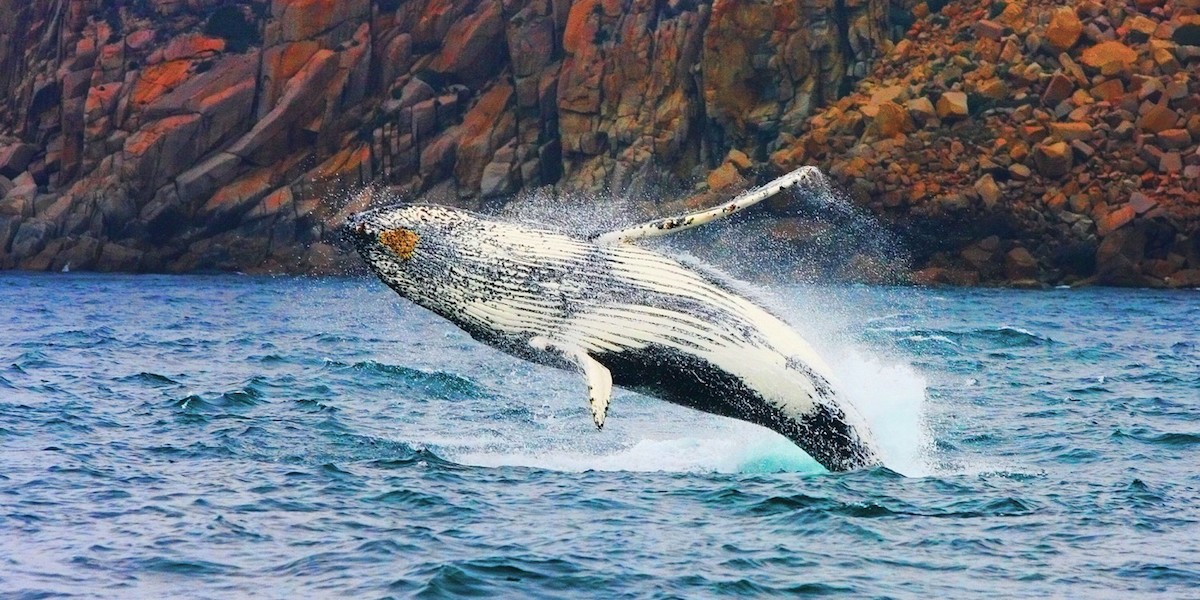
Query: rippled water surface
{"points": [[218, 437]]}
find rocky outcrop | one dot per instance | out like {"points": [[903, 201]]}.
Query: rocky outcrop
{"points": [[1030, 142], [226, 134], [1026, 142]]}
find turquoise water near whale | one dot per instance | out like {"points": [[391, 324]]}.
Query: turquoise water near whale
{"points": [[227, 436]]}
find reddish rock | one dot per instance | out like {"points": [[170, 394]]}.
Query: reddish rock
{"points": [[193, 45], [990, 30], [988, 191], [1110, 57], [1158, 118], [1174, 139], [1058, 89], [581, 25], [724, 177], [1019, 264], [1109, 90], [1053, 160], [1083, 151], [1171, 162], [934, 276], [1064, 30], [1118, 257], [115, 257], [1115, 220], [473, 49], [302, 96], [1071, 131], [921, 110], [993, 88], [739, 160], [1141, 203], [482, 134], [891, 120], [1186, 278], [156, 80], [952, 105]]}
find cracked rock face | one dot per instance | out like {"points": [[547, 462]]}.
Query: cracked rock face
{"points": [[172, 135]]}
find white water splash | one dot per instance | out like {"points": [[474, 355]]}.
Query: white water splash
{"points": [[725, 447], [888, 392]]}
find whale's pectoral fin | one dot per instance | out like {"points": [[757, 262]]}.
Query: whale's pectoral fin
{"points": [[599, 379], [802, 177]]}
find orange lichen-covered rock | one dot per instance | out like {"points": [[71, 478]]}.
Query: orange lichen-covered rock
{"points": [[1064, 29], [1110, 57], [892, 119], [156, 80], [952, 105], [581, 26]]}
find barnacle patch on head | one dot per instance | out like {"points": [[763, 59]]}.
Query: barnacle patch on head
{"points": [[402, 241]]}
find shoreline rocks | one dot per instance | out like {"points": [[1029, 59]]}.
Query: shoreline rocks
{"points": [[1003, 142]]}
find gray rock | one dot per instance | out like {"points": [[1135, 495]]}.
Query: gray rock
{"points": [[30, 238], [195, 185], [15, 157], [115, 257]]}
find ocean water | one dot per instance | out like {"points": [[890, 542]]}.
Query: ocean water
{"points": [[227, 436]]}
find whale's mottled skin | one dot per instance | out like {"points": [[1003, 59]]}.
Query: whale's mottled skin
{"points": [[622, 315]]}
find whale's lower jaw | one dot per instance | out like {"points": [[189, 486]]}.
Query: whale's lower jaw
{"points": [[825, 434]]}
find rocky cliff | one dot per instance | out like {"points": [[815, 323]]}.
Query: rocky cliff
{"points": [[209, 134], [1022, 142]]}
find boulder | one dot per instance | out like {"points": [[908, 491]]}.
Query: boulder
{"points": [[14, 158], [952, 105], [1119, 256], [1064, 29], [1071, 131], [30, 238], [1174, 139], [1109, 90], [1110, 57], [1019, 264], [1115, 220], [892, 120], [160, 150], [1157, 118], [1053, 160], [988, 191], [79, 255], [473, 50], [117, 258], [1140, 203], [1185, 278], [1059, 88], [302, 98], [921, 110]]}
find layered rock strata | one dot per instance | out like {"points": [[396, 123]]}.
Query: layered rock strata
{"points": [[176, 135]]}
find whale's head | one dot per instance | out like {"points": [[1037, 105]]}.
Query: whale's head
{"points": [[406, 244], [436, 256]]}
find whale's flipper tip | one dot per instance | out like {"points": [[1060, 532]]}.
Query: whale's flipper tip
{"points": [[599, 379]]}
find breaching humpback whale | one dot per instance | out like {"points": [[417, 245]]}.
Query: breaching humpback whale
{"points": [[620, 314]]}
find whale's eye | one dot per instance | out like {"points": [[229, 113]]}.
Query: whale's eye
{"points": [[402, 241]]}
